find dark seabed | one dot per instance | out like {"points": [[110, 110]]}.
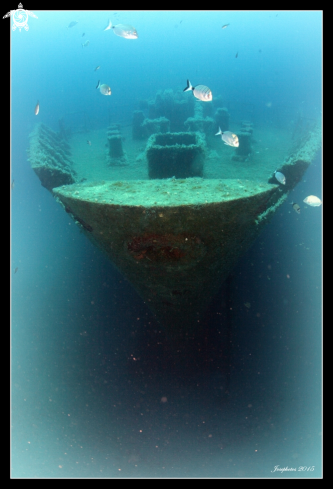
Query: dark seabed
{"points": [[97, 388]]}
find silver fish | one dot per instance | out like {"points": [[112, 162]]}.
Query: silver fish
{"points": [[104, 89], [123, 30], [73, 23], [97, 68], [201, 92], [225, 25], [280, 177], [313, 201], [229, 138], [296, 207], [37, 108], [85, 44]]}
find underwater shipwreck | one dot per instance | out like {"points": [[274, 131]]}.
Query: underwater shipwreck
{"points": [[172, 207]]}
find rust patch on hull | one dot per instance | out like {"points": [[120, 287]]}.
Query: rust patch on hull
{"points": [[166, 248]]}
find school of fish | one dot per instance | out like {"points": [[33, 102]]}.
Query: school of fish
{"points": [[200, 92]]}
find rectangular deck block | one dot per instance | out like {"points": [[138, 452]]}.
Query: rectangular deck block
{"points": [[179, 155]]}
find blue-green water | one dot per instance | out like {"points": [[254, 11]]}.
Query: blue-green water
{"points": [[88, 375]]}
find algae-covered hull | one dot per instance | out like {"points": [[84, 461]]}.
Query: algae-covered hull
{"points": [[174, 240], [176, 236]]}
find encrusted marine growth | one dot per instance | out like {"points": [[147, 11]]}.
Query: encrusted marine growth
{"points": [[245, 138], [222, 118], [200, 123], [179, 155], [172, 105], [204, 124], [116, 154], [166, 248], [50, 157], [175, 240], [179, 110], [153, 126], [138, 118], [244, 148], [300, 157]]}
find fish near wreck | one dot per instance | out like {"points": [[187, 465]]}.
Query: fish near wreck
{"points": [[313, 201], [201, 92], [280, 177], [229, 138]]}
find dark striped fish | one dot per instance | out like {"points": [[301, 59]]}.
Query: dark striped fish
{"points": [[104, 89], [201, 92]]}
